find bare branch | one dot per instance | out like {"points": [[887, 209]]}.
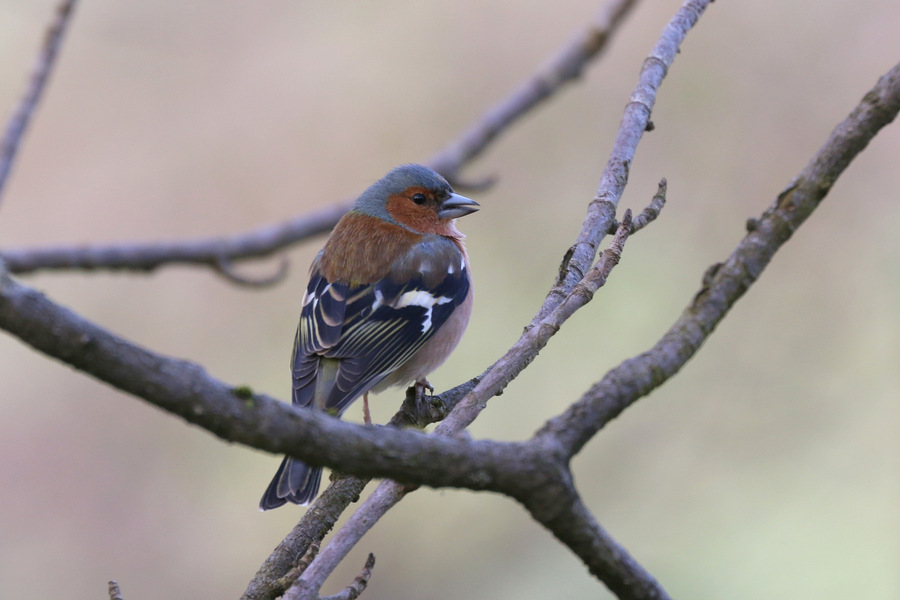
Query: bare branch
{"points": [[359, 584], [265, 241], [389, 493], [236, 414], [567, 66], [649, 214], [636, 120], [726, 282], [284, 583], [601, 213], [148, 256], [560, 509], [226, 270], [18, 123]]}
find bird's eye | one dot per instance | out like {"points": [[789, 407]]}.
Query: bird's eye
{"points": [[419, 198]]}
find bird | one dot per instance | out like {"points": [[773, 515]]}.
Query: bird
{"points": [[388, 299]]}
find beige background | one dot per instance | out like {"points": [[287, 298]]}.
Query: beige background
{"points": [[769, 468]]}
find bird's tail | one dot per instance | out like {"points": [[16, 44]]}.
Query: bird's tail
{"points": [[295, 481]]}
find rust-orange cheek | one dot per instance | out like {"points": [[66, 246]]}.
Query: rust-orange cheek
{"points": [[419, 218]]}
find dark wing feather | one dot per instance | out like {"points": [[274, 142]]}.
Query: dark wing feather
{"points": [[373, 329], [321, 322]]}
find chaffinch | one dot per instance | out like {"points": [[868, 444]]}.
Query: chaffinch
{"points": [[388, 299]]}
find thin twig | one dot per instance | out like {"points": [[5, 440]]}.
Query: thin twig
{"points": [[352, 591], [649, 214], [601, 213], [284, 583], [18, 123], [565, 67], [147, 256], [225, 268], [265, 241], [114, 592]]}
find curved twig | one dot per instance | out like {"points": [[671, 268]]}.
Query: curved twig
{"points": [[225, 268]]}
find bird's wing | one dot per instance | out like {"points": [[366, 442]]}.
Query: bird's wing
{"points": [[373, 329]]}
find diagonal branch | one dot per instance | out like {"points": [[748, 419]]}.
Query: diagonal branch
{"points": [[18, 123], [601, 214], [725, 283], [537, 471], [567, 66]]}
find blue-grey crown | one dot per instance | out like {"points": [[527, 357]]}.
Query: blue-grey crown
{"points": [[399, 179]]}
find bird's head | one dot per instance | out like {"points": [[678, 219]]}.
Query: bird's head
{"points": [[417, 198]]}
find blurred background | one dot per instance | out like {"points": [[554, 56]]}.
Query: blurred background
{"points": [[768, 468]]}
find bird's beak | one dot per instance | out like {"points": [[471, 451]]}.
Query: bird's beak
{"points": [[456, 206]]}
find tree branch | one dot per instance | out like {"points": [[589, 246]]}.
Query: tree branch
{"points": [[18, 122], [255, 420], [724, 283], [319, 519], [565, 67], [147, 256], [636, 120], [562, 300], [267, 240]]}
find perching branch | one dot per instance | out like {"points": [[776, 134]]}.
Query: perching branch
{"points": [[543, 470], [18, 123]]}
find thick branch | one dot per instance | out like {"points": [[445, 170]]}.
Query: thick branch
{"points": [[236, 415], [559, 508]]}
